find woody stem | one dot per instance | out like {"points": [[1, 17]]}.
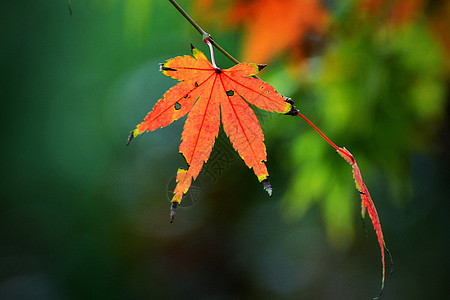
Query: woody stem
{"points": [[206, 36]]}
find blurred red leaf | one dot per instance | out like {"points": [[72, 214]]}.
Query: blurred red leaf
{"points": [[397, 12], [271, 26], [440, 23]]}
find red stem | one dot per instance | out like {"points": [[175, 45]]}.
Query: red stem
{"points": [[320, 132], [325, 137]]}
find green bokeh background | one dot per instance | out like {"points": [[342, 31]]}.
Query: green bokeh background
{"points": [[84, 217]]}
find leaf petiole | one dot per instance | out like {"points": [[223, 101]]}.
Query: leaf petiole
{"points": [[211, 50]]}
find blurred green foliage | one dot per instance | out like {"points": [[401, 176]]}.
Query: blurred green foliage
{"points": [[381, 94], [84, 217]]}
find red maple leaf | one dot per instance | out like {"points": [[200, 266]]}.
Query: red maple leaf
{"points": [[367, 203], [210, 94]]}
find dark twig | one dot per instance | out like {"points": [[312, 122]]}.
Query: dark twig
{"points": [[205, 35], [69, 6]]}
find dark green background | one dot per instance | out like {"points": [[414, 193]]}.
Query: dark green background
{"points": [[84, 217]]}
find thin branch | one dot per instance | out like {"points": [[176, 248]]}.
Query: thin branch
{"points": [[190, 20], [69, 6], [224, 52], [205, 35]]}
